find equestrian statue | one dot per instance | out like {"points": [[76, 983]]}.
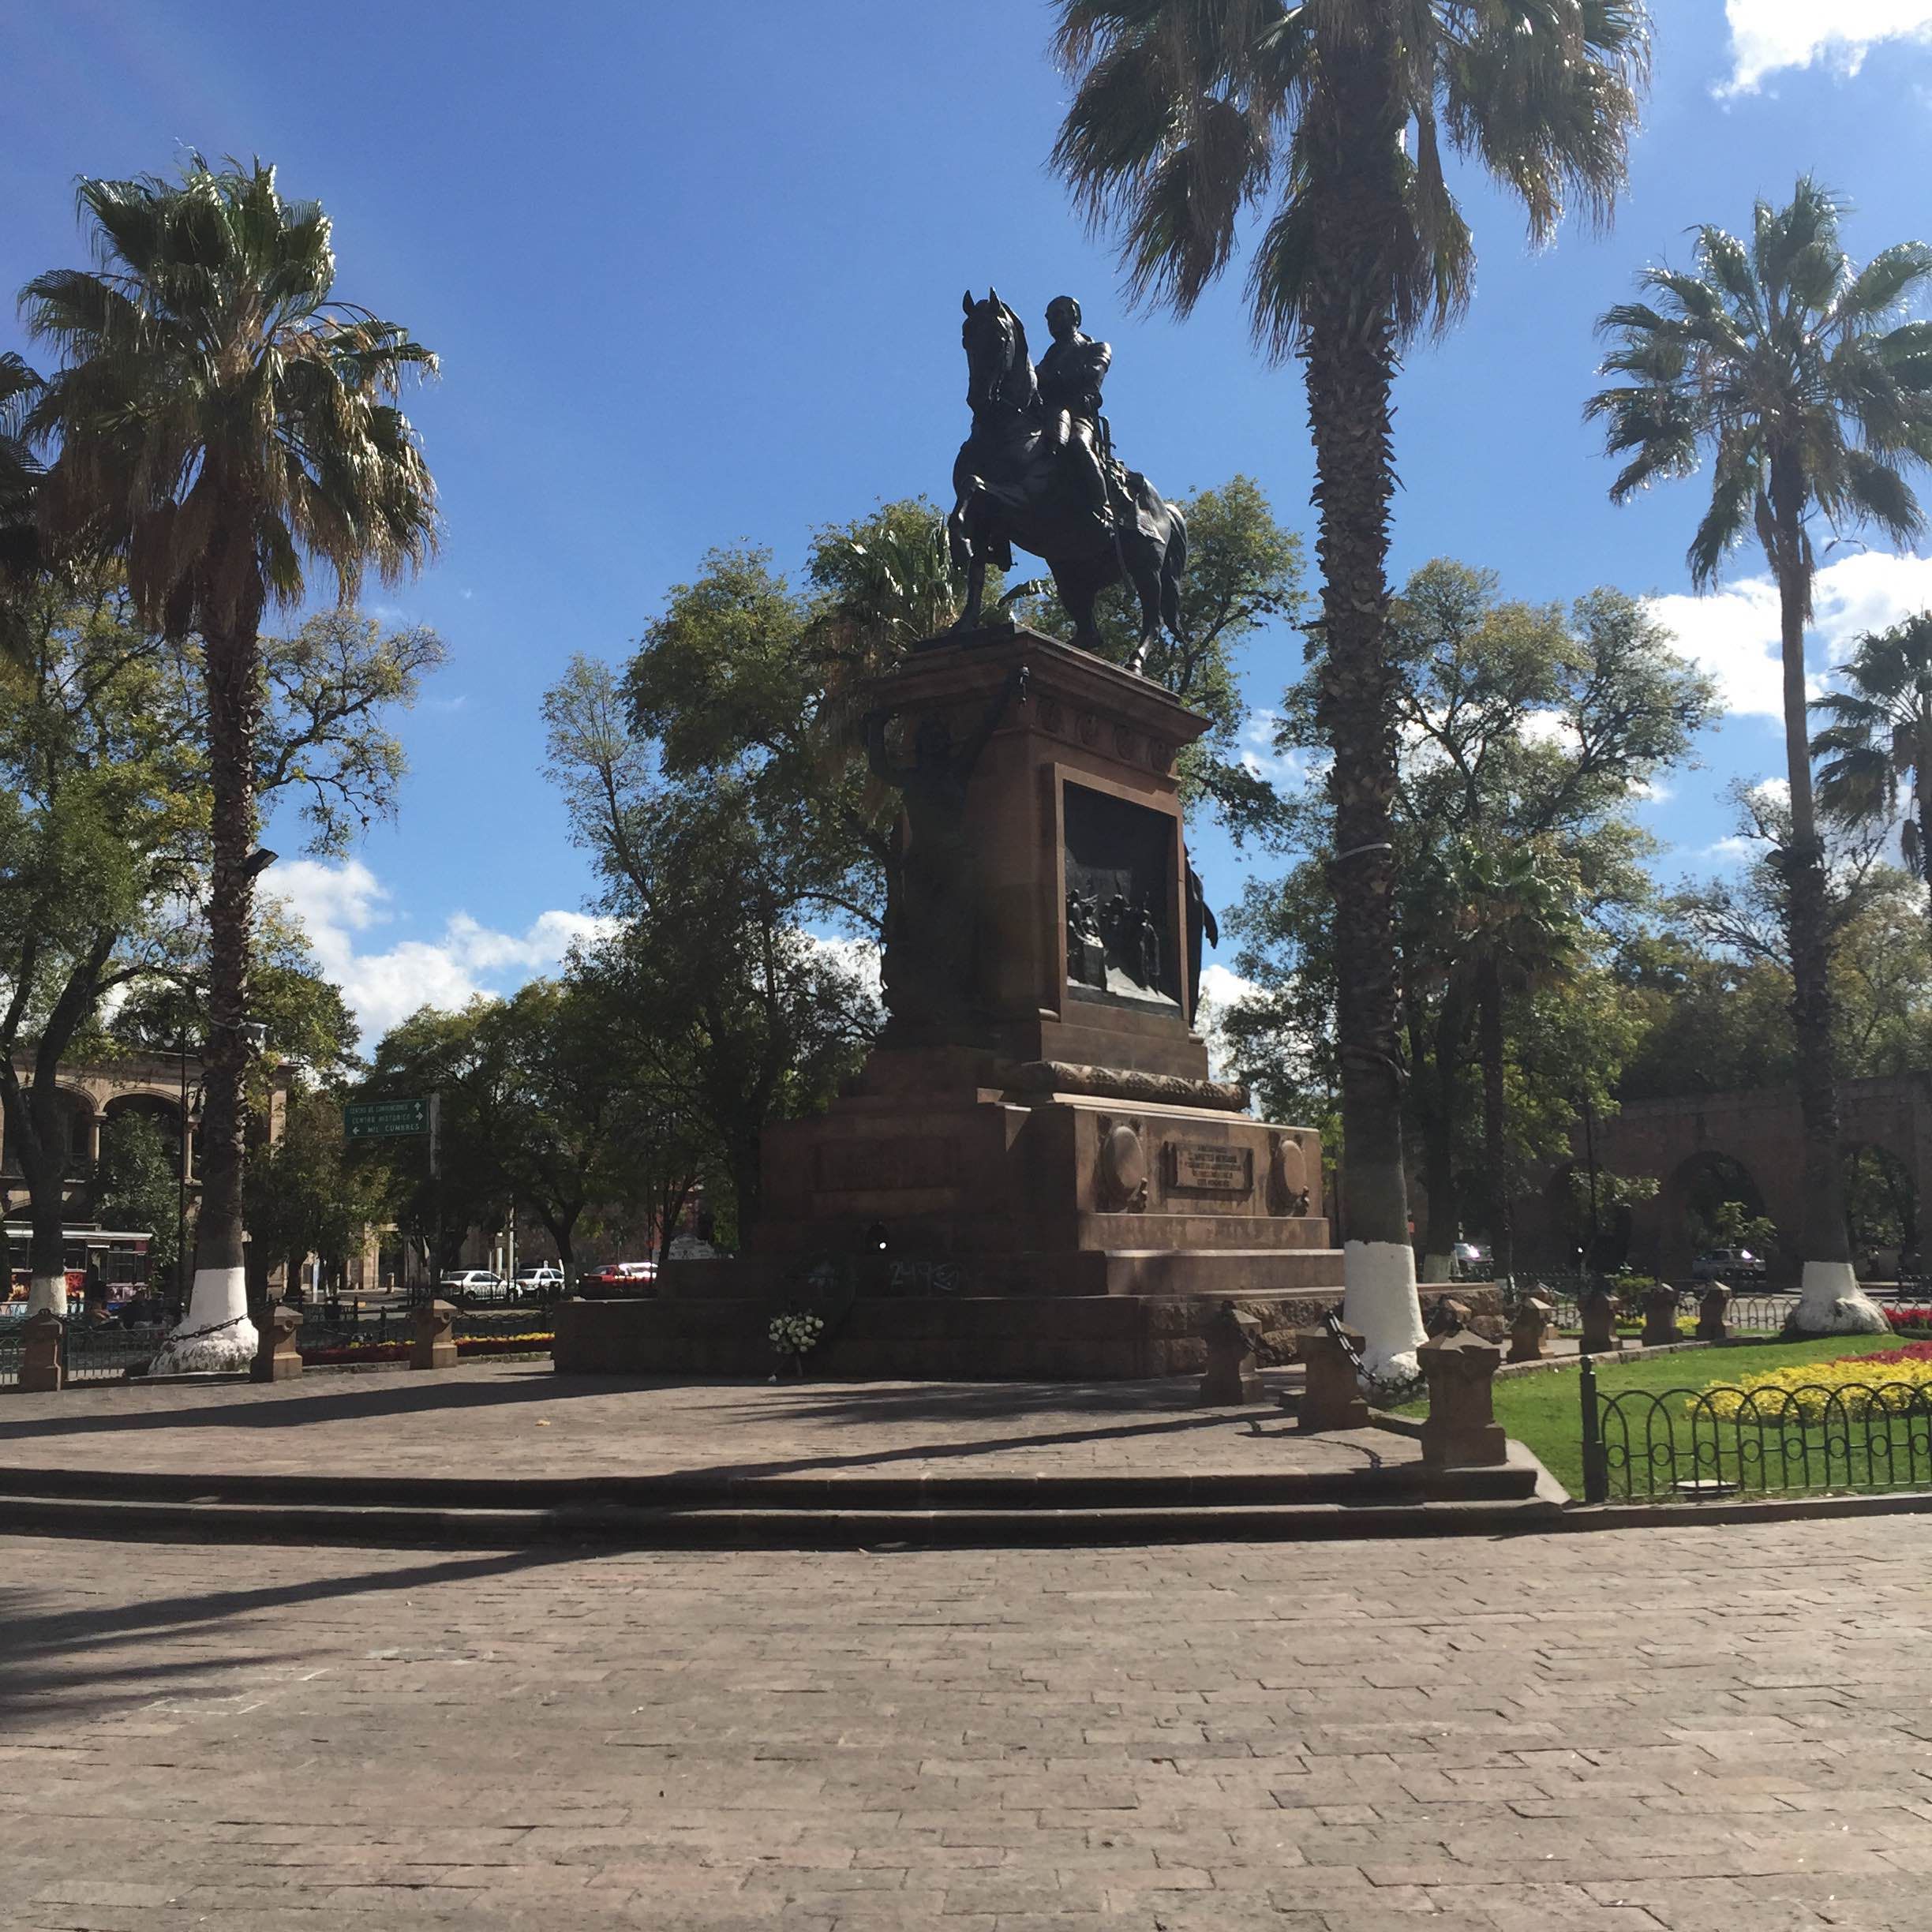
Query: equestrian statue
{"points": [[1038, 471]]}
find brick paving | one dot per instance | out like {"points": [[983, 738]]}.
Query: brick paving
{"points": [[1704, 1730], [507, 1419]]}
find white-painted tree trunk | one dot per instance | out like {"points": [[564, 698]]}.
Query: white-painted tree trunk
{"points": [[48, 1291], [218, 1303], [1438, 1271], [1378, 1300], [1831, 1302]]}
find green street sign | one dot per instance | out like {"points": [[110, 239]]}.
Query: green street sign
{"points": [[385, 1120]]}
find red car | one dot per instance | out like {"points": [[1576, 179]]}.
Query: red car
{"points": [[610, 1277]]}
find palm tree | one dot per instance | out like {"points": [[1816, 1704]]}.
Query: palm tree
{"points": [[1190, 113], [1792, 368], [1881, 731], [222, 422], [1516, 930], [20, 477]]}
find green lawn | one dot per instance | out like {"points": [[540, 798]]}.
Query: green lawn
{"points": [[1542, 1411]]}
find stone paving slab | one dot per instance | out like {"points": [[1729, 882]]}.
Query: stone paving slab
{"points": [[518, 1419], [1677, 1729]]}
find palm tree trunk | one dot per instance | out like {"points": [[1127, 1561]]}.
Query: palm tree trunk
{"points": [[1830, 1301], [1350, 357], [215, 1332], [1496, 1119]]}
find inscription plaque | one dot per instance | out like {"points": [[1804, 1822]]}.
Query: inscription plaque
{"points": [[1208, 1167]]}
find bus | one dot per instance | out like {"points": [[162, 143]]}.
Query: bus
{"points": [[117, 1255]]}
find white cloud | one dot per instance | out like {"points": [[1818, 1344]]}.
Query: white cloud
{"points": [[1733, 850], [1733, 633], [339, 905], [1220, 989], [1545, 727], [1768, 36]]}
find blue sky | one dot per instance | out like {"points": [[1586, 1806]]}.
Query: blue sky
{"points": [[695, 276]]}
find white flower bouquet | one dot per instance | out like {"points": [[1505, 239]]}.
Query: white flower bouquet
{"points": [[796, 1334]]}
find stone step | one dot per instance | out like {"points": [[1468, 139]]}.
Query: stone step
{"points": [[1395, 1485], [617, 1526]]}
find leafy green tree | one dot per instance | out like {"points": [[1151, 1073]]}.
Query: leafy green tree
{"points": [[103, 836], [1522, 727], [1880, 731], [1244, 574], [1517, 929], [137, 1185], [1793, 369], [713, 880], [578, 1132], [452, 1056], [222, 421], [1187, 114]]}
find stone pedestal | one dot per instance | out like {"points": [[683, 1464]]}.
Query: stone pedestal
{"points": [[1233, 1346], [278, 1356], [433, 1344], [1461, 1430], [1331, 1396], [1660, 1328], [1529, 1331], [1713, 1307], [1038, 1125], [1597, 1306], [41, 1370]]}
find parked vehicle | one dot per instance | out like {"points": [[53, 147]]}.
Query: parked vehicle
{"points": [[472, 1285], [1727, 1265], [621, 1278], [547, 1279], [1471, 1261]]}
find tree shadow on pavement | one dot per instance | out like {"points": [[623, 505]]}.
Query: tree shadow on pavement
{"points": [[58, 1660]]}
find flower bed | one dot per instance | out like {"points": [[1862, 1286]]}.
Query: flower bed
{"points": [[1909, 1320], [360, 1353], [1893, 1380]]}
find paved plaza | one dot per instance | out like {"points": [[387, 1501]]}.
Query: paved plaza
{"points": [[519, 1419], [1702, 1729]]}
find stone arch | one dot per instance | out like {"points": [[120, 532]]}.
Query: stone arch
{"points": [[1695, 1186], [161, 1109], [1882, 1204]]}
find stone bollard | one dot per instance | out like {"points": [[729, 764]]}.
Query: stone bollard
{"points": [[435, 1343], [1529, 1331], [1597, 1306], [41, 1370], [1660, 1328], [1331, 1397], [1233, 1346], [1461, 1429], [277, 1351], [1713, 1304]]}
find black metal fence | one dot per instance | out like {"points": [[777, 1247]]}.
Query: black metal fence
{"points": [[1640, 1445], [1745, 1314], [103, 1352], [109, 1351]]}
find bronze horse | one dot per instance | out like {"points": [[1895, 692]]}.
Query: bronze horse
{"points": [[1011, 488]]}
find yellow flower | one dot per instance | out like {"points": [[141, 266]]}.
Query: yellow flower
{"points": [[1812, 1392]]}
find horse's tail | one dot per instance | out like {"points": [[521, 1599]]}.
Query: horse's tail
{"points": [[1174, 565]]}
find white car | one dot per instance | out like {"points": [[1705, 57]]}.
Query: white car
{"points": [[471, 1284], [546, 1279]]}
